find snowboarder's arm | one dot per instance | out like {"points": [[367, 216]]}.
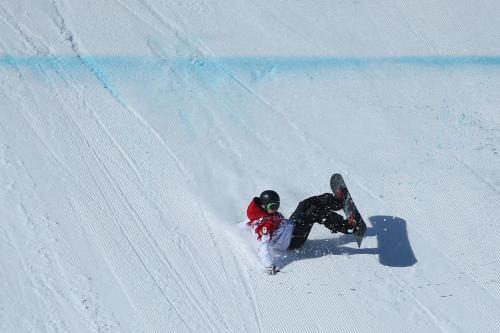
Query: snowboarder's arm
{"points": [[265, 251]]}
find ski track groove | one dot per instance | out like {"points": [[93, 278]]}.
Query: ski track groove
{"points": [[254, 302], [54, 235], [129, 161], [36, 132], [244, 276], [106, 202], [421, 305], [60, 97], [134, 247], [114, 262], [170, 266], [63, 167], [147, 235], [238, 266], [40, 276], [150, 241], [477, 175], [130, 164], [119, 227], [65, 31], [19, 29], [29, 276], [247, 286]]}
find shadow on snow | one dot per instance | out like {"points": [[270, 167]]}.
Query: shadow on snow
{"points": [[393, 246]]}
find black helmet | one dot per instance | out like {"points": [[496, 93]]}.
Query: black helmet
{"points": [[269, 200]]}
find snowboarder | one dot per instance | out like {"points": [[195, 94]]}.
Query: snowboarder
{"points": [[275, 232]]}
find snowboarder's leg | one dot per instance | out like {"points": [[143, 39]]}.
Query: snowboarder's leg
{"points": [[303, 225], [318, 209], [335, 222]]}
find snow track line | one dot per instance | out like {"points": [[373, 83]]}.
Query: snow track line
{"points": [[20, 30], [477, 175], [131, 244], [152, 130], [153, 241], [144, 229], [58, 160], [100, 249], [133, 247], [255, 306], [76, 49], [251, 295], [43, 238], [421, 305], [63, 167], [121, 152], [106, 200], [93, 69]]}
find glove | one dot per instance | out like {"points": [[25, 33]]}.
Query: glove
{"points": [[351, 222], [271, 270], [350, 226]]}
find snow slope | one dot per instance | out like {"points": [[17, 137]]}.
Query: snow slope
{"points": [[133, 133]]}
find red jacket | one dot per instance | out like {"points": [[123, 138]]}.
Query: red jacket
{"points": [[261, 221]]}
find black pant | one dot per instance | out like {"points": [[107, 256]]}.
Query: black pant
{"points": [[318, 209]]}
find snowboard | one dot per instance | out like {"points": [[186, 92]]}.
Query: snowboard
{"points": [[337, 183]]}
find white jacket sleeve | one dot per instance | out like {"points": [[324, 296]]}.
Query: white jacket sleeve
{"points": [[265, 251]]}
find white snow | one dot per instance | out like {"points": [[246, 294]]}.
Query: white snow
{"points": [[133, 134]]}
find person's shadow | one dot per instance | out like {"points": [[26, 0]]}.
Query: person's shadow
{"points": [[393, 246]]}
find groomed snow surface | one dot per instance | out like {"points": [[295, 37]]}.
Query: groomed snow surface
{"points": [[134, 133]]}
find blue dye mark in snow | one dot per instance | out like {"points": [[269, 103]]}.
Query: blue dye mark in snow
{"points": [[290, 63], [96, 65], [108, 69]]}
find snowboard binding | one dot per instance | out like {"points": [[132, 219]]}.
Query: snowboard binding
{"points": [[340, 193]]}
